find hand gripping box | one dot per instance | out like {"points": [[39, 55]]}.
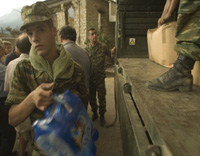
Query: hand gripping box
{"points": [[161, 42]]}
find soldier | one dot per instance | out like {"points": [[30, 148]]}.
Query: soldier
{"points": [[97, 53], [49, 70], [187, 45]]}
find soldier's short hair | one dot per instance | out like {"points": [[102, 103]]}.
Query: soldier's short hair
{"points": [[68, 32], [23, 44], [92, 28]]}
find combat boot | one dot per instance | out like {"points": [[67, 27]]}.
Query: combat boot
{"points": [[179, 77], [102, 120], [94, 116]]}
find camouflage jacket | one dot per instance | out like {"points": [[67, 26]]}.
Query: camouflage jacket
{"points": [[26, 79], [97, 55]]}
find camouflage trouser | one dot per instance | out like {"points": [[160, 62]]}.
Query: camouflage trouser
{"points": [[188, 34], [97, 86]]}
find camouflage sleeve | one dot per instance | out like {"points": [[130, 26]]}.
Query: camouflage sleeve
{"points": [[18, 90]]}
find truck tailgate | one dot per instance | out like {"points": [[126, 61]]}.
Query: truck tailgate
{"points": [[171, 119]]}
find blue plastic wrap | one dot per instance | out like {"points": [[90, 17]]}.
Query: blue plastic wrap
{"points": [[66, 130]]}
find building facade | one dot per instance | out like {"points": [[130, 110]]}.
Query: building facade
{"points": [[83, 14]]}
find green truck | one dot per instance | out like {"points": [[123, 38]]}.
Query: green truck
{"points": [[152, 123]]}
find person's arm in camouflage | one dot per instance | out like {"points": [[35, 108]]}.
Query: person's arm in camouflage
{"points": [[170, 5], [23, 100], [40, 98]]}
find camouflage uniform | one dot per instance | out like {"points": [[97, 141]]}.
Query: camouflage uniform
{"points": [[26, 79], [97, 77], [28, 75], [188, 25]]}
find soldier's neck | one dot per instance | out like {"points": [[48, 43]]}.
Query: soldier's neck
{"points": [[93, 44]]}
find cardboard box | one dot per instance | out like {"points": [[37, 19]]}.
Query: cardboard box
{"points": [[161, 42], [196, 73]]}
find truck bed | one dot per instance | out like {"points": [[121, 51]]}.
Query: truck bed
{"points": [[170, 120]]}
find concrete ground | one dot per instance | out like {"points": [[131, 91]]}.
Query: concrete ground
{"points": [[109, 141]]}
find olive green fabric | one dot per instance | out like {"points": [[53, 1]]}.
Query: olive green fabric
{"points": [[97, 55], [188, 29], [36, 12], [58, 68]]}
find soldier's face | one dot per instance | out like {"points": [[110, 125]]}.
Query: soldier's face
{"points": [[42, 37], [92, 36]]}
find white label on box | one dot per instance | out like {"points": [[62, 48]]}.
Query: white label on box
{"points": [[131, 41]]}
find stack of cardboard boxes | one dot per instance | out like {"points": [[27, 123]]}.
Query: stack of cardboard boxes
{"points": [[161, 42]]}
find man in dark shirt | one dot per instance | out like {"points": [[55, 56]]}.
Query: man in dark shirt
{"points": [[12, 55]]}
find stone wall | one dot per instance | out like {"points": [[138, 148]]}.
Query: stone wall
{"points": [[60, 19], [80, 20], [96, 8], [87, 14]]}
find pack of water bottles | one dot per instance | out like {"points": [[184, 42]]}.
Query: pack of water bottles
{"points": [[66, 130]]}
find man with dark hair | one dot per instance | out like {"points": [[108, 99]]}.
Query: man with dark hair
{"points": [[49, 70], [24, 46], [67, 33], [97, 53], [79, 55]]}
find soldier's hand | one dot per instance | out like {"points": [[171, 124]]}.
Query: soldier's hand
{"points": [[42, 96], [161, 21]]}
